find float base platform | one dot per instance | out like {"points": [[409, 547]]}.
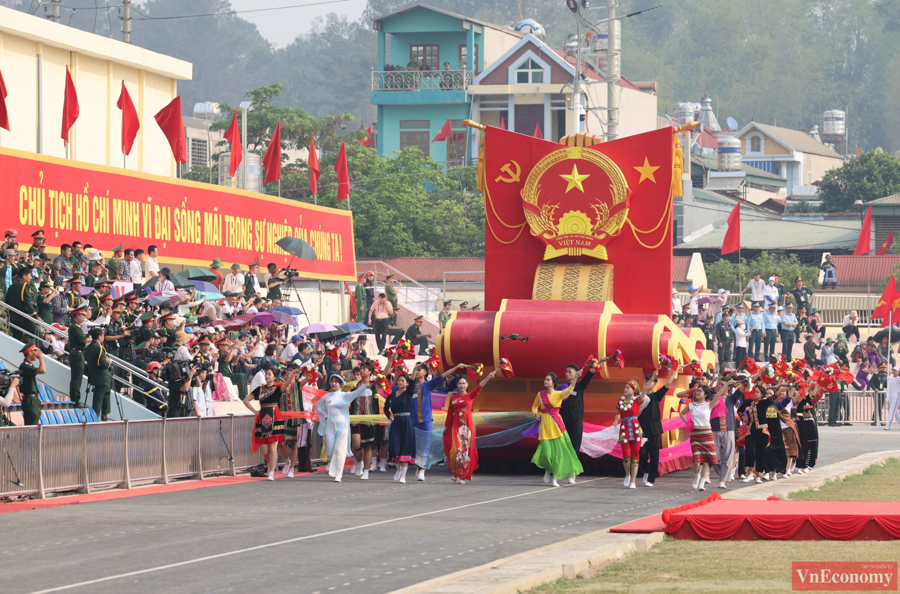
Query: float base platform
{"points": [[735, 519]]}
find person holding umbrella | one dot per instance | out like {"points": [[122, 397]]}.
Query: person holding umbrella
{"points": [[164, 284], [273, 282]]}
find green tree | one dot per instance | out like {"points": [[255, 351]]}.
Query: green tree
{"points": [[872, 175], [721, 274]]}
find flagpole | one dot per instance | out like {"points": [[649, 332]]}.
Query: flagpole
{"points": [[279, 187]]}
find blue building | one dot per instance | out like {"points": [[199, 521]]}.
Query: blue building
{"points": [[427, 59]]}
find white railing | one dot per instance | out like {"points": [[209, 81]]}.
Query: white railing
{"points": [[832, 306], [415, 80]]}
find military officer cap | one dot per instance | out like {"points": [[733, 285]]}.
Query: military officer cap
{"points": [[117, 248], [38, 234], [147, 317], [28, 347], [254, 263], [81, 309]]}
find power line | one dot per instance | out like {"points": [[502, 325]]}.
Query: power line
{"points": [[232, 12]]}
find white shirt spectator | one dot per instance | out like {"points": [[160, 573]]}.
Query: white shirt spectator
{"points": [[740, 336], [676, 305], [770, 292], [757, 288], [182, 353], [252, 309], [161, 286], [137, 276], [204, 400], [151, 266], [233, 282], [694, 307], [258, 380], [288, 352], [57, 346]]}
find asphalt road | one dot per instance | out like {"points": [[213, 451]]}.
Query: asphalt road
{"points": [[312, 535]]}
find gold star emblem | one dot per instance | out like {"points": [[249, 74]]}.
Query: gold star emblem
{"points": [[646, 171], [574, 179]]}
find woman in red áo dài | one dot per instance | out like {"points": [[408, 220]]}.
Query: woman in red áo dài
{"points": [[459, 430]]}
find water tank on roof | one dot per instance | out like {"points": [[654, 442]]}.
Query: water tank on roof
{"points": [[207, 110], [814, 132], [834, 122], [254, 172], [530, 26], [684, 113], [729, 154]]}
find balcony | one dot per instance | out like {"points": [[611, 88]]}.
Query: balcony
{"points": [[413, 86]]}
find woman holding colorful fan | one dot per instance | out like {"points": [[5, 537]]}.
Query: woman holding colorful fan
{"points": [[555, 453], [459, 429]]}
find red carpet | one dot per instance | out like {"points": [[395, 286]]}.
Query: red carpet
{"points": [[642, 526], [787, 520], [25, 505]]}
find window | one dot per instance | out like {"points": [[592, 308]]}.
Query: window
{"points": [[529, 72], [410, 136], [463, 58], [456, 144], [755, 142], [427, 55], [776, 168], [198, 152]]}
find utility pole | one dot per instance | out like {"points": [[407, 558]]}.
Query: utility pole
{"points": [[576, 89], [55, 16], [612, 82], [126, 21]]}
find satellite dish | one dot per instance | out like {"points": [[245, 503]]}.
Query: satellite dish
{"points": [[732, 123]]}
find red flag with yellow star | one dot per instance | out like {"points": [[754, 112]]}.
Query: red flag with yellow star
{"points": [[609, 203], [884, 305], [886, 245]]}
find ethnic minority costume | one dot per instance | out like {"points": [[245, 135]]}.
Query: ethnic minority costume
{"points": [[362, 406], [703, 444], [269, 424], [459, 435], [789, 432], [809, 432], [423, 418], [630, 434], [402, 434], [776, 456], [555, 452], [292, 401], [333, 410]]}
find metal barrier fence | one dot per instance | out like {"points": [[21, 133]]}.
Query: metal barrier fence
{"points": [[47, 458], [857, 406]]}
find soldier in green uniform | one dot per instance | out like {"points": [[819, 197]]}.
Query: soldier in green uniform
{"points": [[444, 316], [97, 367], [251, 282], [44, 307], [115, 332], [146, 330], [77, 343], [37, 241], [168, 330], [274, 282], [414, 335], [127, 316], [95, 274], [359, 294], [73, 295], [390, 293], [28, 388], [21, 296], [95, 299], [227, 359], [112, 265], [725, 336]]}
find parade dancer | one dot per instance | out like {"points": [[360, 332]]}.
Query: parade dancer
{"points": [[268, 430], [703, 445], [808, 430], [555, 453], [571, 411], [333, 410], [402, 433], [630, 435], [754, 409], [459, 430], [776, 456], [422, 416]]}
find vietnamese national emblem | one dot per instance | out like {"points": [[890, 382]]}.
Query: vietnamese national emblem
{"points": [[575, 201]]}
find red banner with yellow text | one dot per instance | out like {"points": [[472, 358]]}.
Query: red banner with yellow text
{"points": [[190, 222]]}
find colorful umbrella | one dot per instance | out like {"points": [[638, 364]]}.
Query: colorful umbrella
{"points": [[165, 297], [297, 247], [317, 328], [281, 317], [204, 286], [294, 311], [200, 274], [211, 296], [354, 327]]}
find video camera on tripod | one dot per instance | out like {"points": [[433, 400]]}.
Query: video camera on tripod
{"points": [[6, 377]]}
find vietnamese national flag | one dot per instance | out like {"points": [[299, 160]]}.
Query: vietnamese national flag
{"points": [[312, 162], [171, 124], [368, 140], [863, 244], [4, 116], [272, 159], [888, 242], [233, 135], [537, 131], [503, 123], [70, 107], [340, 167], [885, 304], [130, 121], [732, 242], [444, 133]]}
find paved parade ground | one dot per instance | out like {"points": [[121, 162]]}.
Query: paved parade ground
{"points": [[312, 535]]}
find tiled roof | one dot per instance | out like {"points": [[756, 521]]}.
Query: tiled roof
{"points": [[797, 140], [590, 73], [858, 271], [426, 269], [680, 265], [895, 199]]}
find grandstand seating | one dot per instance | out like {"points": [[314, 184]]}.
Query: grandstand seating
{"points": [[54, 410]]}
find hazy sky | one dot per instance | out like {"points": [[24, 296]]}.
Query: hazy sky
{"points": [[282, 26]]}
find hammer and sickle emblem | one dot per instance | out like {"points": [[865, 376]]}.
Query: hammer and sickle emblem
{"points": [[514, 177]]}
